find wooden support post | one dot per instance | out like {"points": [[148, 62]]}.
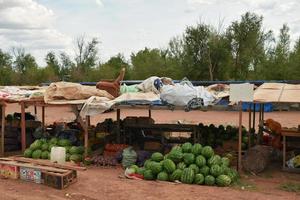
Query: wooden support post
{"points": [[240, 138], [118, 126], [86, 135], [43, 117], [23, 126], [2, 129], [283, 152], [35, 111], [249, 128], [149, 113], [254, 114], [88, 120]]}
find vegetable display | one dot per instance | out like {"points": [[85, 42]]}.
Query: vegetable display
{"points": [[189, 164]]}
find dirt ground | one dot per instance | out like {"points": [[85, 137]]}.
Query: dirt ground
{"points": [[101, 183]]}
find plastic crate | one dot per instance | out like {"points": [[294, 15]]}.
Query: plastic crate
{"points": [[268, 107]]}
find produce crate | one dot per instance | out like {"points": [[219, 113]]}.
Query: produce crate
{"points": [[31, 175], [59, 180], [9, 171]]}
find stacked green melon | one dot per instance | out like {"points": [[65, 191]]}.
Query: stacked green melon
{"points": [[41, 148], [190, 164]]}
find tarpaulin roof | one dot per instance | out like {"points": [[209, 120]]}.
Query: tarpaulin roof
{"points": [[277, 93]]}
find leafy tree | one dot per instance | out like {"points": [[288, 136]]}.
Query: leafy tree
{"points": [[53, 63], [294, 71], [5, 68]]}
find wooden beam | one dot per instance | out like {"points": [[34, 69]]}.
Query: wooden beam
{"points": [[2, 129], [249, 127], [23, 127], [86, 135], [43, 117], [240, 138], [118, 126]]}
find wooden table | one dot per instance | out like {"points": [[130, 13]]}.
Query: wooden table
{"points": [[288, 133]]}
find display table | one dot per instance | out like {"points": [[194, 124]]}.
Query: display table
{"points": [[288, 133]]}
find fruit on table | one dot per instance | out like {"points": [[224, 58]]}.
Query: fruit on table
{"points": [[187, 147], [157, 156], [64, 142], [36, 145], [140, 170], [196, 149], [36, 154], [45, 155], [76, 158], [45, 147], [28, 153], [207, 152]]}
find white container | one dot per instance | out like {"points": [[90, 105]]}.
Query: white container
{"points": [[58, 154]]}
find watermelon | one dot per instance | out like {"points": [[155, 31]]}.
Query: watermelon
{"points": [[80, 149], [157, 157], [214, 160], [209, 180], [50, 147], [53, 140], [225, 161], [147, 164], [68, 149], [28, 153], [76, 158], [45, 155], [45, 147], [140, 170], [195, 168], [36, 145], [169, 166], [148, 175], [175, 155], [223, 180], [68, 156], [36, 154], [188, 158], [199, 179], [155, 167], [200, 161], [74, 150], [187, 176], [207, 152], [135, 167], [216, 170], [176, 175], [204, 170], [187, 147], [232, 173], [181, 165], [163, 176], [64, 142], [176, 148], [245, 139], [196, 149]]}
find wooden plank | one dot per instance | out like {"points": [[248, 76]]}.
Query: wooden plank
{"points": [[30, 165], [23, 127], [240, 138], [2, 129], [86, 135], [49, 163], [290, 133], [284, 152], [118, 126]]}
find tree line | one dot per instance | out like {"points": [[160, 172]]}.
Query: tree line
{"points": [[241, 51]]}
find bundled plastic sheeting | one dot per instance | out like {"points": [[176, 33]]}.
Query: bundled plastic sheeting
{"points": [[129, 157]]}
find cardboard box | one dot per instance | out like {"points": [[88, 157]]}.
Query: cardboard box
{"points": [[9, 171], [59, 180], [29, 174]]}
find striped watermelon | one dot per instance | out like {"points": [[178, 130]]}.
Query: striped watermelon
{"points": [[195, 168], [169, 166], [209, 180], [186, 147], [223, 180], [188, 176], [199, 179], [214, 160], [200, 161], [225, 161], [188, 158], [196, 149], [176, 175], [155, 167], [216, 170], [176, 156], [181, 165], [163, 176], [148, 175], [207, 152], [157, 157], [204, 170]]}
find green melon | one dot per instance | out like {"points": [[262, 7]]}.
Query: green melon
{"points": [[216, 170], [68, 156], [155, 167], [74, 150], [45, 147], [196, 149], [148, 175], [181, 165], [80, 149], [195, 168], [140, 170], [187, 176], [200, 161], [64, 142], [199, 179], [50, 147], [135, 167], [176, 148], [36, 145], [204, 170], [176, 175], [232, 173], [45, 155], [176, 156], [53, 140], [207, 152], [157, 157], [76, 158], [214, 160], [162, 176], [223, 180], [147, 164], [28, 153], [169, 166], [186, 147], [209, 180], [188, 158], [225, 161], [36, 154]]}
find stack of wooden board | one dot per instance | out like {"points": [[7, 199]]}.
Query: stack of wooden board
{"points": [[55, 175]]}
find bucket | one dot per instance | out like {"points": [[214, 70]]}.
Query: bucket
{"points": [[58, 154]]}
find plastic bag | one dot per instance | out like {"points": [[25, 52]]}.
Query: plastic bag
{"points": [[129, 157], [128, 89]]}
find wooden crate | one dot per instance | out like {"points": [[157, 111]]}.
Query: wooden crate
{"points": [[59, 180], [31, 175]]}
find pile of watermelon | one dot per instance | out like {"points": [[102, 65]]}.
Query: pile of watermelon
{"points": [[41, 148], [190, 164]]}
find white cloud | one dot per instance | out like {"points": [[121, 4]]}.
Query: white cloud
{"points": [[99, 3], [28, 24]]}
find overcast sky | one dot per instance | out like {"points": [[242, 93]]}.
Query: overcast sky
{"points": [[125, 26]]}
